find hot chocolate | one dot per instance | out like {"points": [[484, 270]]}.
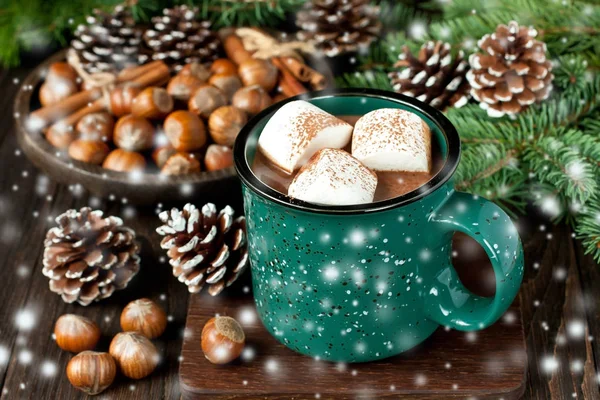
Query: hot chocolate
{"points": [[390, 184]]}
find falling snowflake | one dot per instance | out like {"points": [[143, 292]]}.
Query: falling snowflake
{"points": [[331, 273], [420, 380], [247, 316], [576, 329], [248, 354], [357, 237], [25, 320], [549, 364], [48, 369], [25, 357], [272, 366]]}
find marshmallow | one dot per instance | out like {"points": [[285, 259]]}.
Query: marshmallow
{"points": [[297, 131], [392, 140], [334, 177]]}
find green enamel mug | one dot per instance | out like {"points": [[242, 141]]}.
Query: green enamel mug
{"points": [[366, 282]]}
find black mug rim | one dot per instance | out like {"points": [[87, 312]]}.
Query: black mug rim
{"points": [[448, 130]]}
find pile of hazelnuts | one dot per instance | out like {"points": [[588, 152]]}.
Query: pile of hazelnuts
{"points": [[186, 127], [130, 351]]}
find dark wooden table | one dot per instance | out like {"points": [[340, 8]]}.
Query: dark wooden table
{"points": [[560, 296]]}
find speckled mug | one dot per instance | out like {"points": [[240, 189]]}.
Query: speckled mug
{"points": [[362, 283]]}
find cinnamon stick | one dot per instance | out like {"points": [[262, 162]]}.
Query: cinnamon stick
{"points": [[46, 115], [288, 84], [131, 73], [297, 68], [234, 48]]}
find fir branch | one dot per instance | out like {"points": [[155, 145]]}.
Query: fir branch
{"points": [[553, 161], [368, 79], [481, 161], [587, 228], [506, 188], [262, 13]]}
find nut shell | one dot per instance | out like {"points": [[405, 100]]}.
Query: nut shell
{"points": [[255, 71], [51, 92], [205, 100], [223, 340], [223, 66], [134, 354], [60, 135], [91, 372], [61, 70], [89, 151], [133, 133], [124, 161], [121, 99], [197, 70], [229, 84], [145, 317], [218, 157], [162, 154], [181, 87], [181, 164], [251, 99], [75, 333], [152, 103], [185, 131], [225, 123], [96, 126]]}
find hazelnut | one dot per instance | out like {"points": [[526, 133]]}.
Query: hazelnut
{"points": [[218, 157], [75, 333], [223, 66], [124, 161], [63, 71], [91, 372], [205, 100], [60, 135], [255, 71], [96, 126], [135, 354], [225, 123], [133, 133], [144, 316], [51, 92], [223, 340], [181, 164], [251, 99], [181, 87], [185, 131], [121, 98], [197, 70], [152, 103], [88, 151], [229, 84], [162, 154]]}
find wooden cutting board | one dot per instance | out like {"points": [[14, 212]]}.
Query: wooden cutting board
{"points": [[450, 364]]}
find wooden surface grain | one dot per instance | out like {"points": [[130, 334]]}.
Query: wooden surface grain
{"points": [[560, 295]]}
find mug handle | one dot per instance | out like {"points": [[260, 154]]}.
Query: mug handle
{"points": [[447, 301]]}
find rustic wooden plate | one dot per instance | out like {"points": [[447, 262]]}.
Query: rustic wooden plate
{"points": [[146, 188]]}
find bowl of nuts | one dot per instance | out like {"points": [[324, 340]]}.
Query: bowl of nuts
{"points": [[146, 134]]}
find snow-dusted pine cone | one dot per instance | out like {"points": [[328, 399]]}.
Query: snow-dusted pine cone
{"points": [[87, 256], [204, 247], [433, 76], [108, 42], [512, 73], [178, 38], [339, 26]]}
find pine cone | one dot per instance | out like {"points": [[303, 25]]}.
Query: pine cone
{"points": [[204, 247], [109, 42], [88, 257], [338, 26], [433, 76], [513, 72], [178, 39]]}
